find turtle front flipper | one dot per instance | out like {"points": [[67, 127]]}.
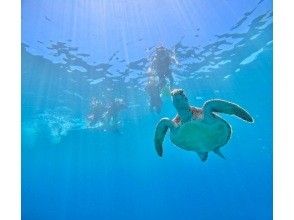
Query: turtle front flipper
{"points": [[221, 106], [161, 128]]}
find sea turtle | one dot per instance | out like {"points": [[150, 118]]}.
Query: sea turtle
{"points": [[198, 129]]}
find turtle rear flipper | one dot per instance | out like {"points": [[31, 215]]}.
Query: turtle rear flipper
{"points": [[219, 153], [221, 106], [203, 156]]}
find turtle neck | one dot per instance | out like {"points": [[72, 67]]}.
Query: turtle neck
{"points": [[184, 112]]}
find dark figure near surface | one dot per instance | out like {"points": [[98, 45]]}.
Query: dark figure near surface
{"points": [[153, 89], [161, 65], [97, 110], [105, 115], [114, 108], [159, 76]]}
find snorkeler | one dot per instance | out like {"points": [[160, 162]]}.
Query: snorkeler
{"points": [[110, 117], [153, 89], [160, 66], [114, 108], [105, 116], [97, 110]]}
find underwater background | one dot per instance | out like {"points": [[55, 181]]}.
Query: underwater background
{"points": [[74, 51]]}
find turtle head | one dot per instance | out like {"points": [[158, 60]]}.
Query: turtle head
{"points": [[179, 99]]}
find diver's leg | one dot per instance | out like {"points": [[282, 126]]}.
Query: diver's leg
{"points": [[150, 108], [170, 78], [158, 109], [162, 82]]}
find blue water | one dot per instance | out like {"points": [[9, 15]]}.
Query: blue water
{"points": [[73, 51]]}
